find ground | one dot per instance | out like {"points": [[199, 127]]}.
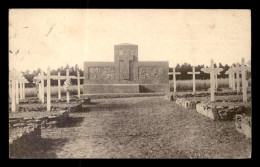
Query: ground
{"points": [[142, 127]]}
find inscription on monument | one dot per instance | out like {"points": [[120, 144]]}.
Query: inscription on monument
{"points": [[101, 73], [150, 73]]}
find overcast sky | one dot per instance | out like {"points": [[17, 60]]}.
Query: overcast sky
{"points": [[39, 38]]}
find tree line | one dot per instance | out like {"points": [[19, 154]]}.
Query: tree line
{"points": [[184, 69]]}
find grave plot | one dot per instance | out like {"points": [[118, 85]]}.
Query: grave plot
{"points": [[58, 106], [36, 100], [223, 110], [233, 103], [218, 92], [41, 103], [26, 127], [225, 106]]}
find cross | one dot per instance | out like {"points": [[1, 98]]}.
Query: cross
{"points": [[243, 68], [174, 78], [244, 81], [78, 79], [237, 70], [54, 77], [41, 79], [213, 71], [22, 87], [216, 73], [67, 92], [233, 82], [48, 89], [193, 77], [48, 78], [13, 78], [42, 87], [38, 83], [216, 79], [19, 80], [229, 77], [16, 78], [126, 58]]}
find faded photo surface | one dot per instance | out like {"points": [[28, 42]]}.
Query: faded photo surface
{"points": [[130, 83]]}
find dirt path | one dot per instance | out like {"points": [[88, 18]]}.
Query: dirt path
{"points": [[146, 127]]}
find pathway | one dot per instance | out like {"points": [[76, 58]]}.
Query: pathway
{"points": [[146, 127]]}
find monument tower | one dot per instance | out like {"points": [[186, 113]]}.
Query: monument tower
{"points": [[125, 55]]}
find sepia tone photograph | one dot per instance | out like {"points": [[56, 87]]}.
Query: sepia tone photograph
{"points": [[129, 84]]}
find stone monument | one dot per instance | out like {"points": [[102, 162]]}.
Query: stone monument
{"points": [[126, 74]]}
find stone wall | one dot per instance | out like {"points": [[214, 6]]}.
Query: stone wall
{"points": [[111, 88]]}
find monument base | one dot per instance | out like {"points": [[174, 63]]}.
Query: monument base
{"points": [[124, 88], [149, 88], [110, 88]]}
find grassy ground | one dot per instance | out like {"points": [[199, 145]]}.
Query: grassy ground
{"points": [[186, 85], [143, 127]]}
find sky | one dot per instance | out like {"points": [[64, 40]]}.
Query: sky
{"points": [[41, 38]]}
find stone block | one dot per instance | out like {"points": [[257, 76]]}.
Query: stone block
{"points": [[212, 113], [19, 124], [180, 102], [247, 130], [149, 88], [200, 107], [207, 111], [111, 88], [186, 104], [225, 113], [244, 125], [192, 105], [169, 97], [229, 112]]}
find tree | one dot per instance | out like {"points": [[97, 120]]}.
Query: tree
{"points": [[184, 72], [67, 67], [27, 72], [76, 67], [225, 68]]}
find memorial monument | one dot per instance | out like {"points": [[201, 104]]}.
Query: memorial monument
{"points": [[126, 74]]}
